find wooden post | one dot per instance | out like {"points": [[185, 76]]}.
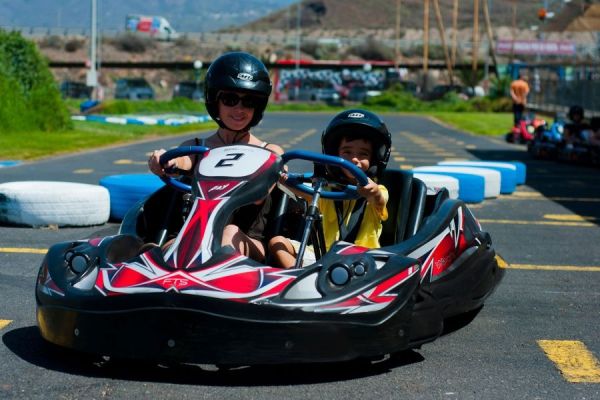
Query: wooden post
{"points": [[490, 35], [454, 31], [425, 36], [397, 50], [475, 45], [514, 31], [440, 22]]}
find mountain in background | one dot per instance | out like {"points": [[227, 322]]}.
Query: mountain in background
{"points": [[207, 15], [184, 15], [381, 14]]}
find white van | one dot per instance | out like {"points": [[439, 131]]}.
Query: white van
{"points": [[154, 26]]}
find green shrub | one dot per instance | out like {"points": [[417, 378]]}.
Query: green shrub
{"points": [[73, 45], [30, 98], [132, 43]]}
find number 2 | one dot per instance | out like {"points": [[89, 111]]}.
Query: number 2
{"points": [[230, 157]]}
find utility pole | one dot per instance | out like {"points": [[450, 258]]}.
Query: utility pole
{"points": [[92, 74], [475, 47], [490, 34], [454, 30], [425, 37], [514, 30], [397, 49], [440, 22], [298, 33]]}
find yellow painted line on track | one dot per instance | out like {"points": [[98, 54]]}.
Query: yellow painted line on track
{"points": [[548, 223], [539, 196], [4, 323], [26, 250], [525, 194], [406, 166], [399, 158], [531, 267], [502, 263], [83, 171], [129, 162], [569, 217], [572, 358]]}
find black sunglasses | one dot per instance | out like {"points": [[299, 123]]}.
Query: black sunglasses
{"points": [[232, 99]]}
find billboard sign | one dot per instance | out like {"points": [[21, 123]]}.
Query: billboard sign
{"points": [[536, 47]]}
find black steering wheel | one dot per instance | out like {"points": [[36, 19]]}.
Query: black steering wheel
{"points": [[296, 180], [175, 153]]}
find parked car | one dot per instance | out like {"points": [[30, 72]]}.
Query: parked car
{"points": [[133, 89], [190, 89], [75, 90], [315, 91], [360, 93]]}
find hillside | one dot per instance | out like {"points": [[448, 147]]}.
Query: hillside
{"points": [[381, 14]]}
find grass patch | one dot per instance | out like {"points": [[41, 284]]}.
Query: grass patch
{"points": [[477, 123], [84, 136]]}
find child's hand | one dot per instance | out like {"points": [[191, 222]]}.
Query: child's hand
{"points": [[373, 194], [369, 191]]}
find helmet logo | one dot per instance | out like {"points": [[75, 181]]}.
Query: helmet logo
{"points": [[356, 115], [245, 76]]}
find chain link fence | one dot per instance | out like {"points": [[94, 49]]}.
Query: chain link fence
{"points": [[577, 86]]}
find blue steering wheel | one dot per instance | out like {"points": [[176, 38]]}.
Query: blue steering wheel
{"points": [[296, 180], [175, 153]]}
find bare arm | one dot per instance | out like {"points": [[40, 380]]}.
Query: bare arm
{"points": [[183, 163], [373, 194]]}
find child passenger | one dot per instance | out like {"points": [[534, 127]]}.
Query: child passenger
{"points": [[362, 138]]}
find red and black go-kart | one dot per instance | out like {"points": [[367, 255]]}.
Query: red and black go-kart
{"points": [[524, 131], [200, 302]]}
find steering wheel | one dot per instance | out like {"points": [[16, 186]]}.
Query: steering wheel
{"points": [[295, 180], [175, 153]]}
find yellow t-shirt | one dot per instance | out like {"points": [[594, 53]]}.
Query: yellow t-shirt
{"points": [[370, 227]]}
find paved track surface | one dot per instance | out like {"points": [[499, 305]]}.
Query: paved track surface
{"points": [[547, 232]]}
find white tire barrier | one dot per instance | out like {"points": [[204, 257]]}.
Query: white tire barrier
{"points": [[471, 188], [491, 177], [434, 182], [42, 203], [508, 172], [126, 190]]}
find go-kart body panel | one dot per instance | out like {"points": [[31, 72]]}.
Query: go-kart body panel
{"points": [[210, 304]]}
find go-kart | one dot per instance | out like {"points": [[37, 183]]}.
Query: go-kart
{"points": [[524, 131], [189, 299], [547, 141]]}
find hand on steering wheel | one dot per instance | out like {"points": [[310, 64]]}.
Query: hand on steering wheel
{"points": [[295, 180], [175, 153]]}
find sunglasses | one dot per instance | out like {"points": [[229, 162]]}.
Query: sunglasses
{"points": [[233, 99]]}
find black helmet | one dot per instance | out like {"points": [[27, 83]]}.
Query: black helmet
{"points": [[575, 110], [359, 124], [237, 71]]}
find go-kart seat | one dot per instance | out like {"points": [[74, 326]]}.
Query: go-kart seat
{"points": [[398, 184], [417, 208], [433, 203]]}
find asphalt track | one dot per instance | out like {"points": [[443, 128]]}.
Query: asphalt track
{"points": [[535, 338]]}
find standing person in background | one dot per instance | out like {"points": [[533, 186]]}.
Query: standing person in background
{"points": [[237, 88], [519, 89]]}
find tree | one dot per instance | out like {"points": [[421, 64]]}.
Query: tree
{"points": [[30, 97]]}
